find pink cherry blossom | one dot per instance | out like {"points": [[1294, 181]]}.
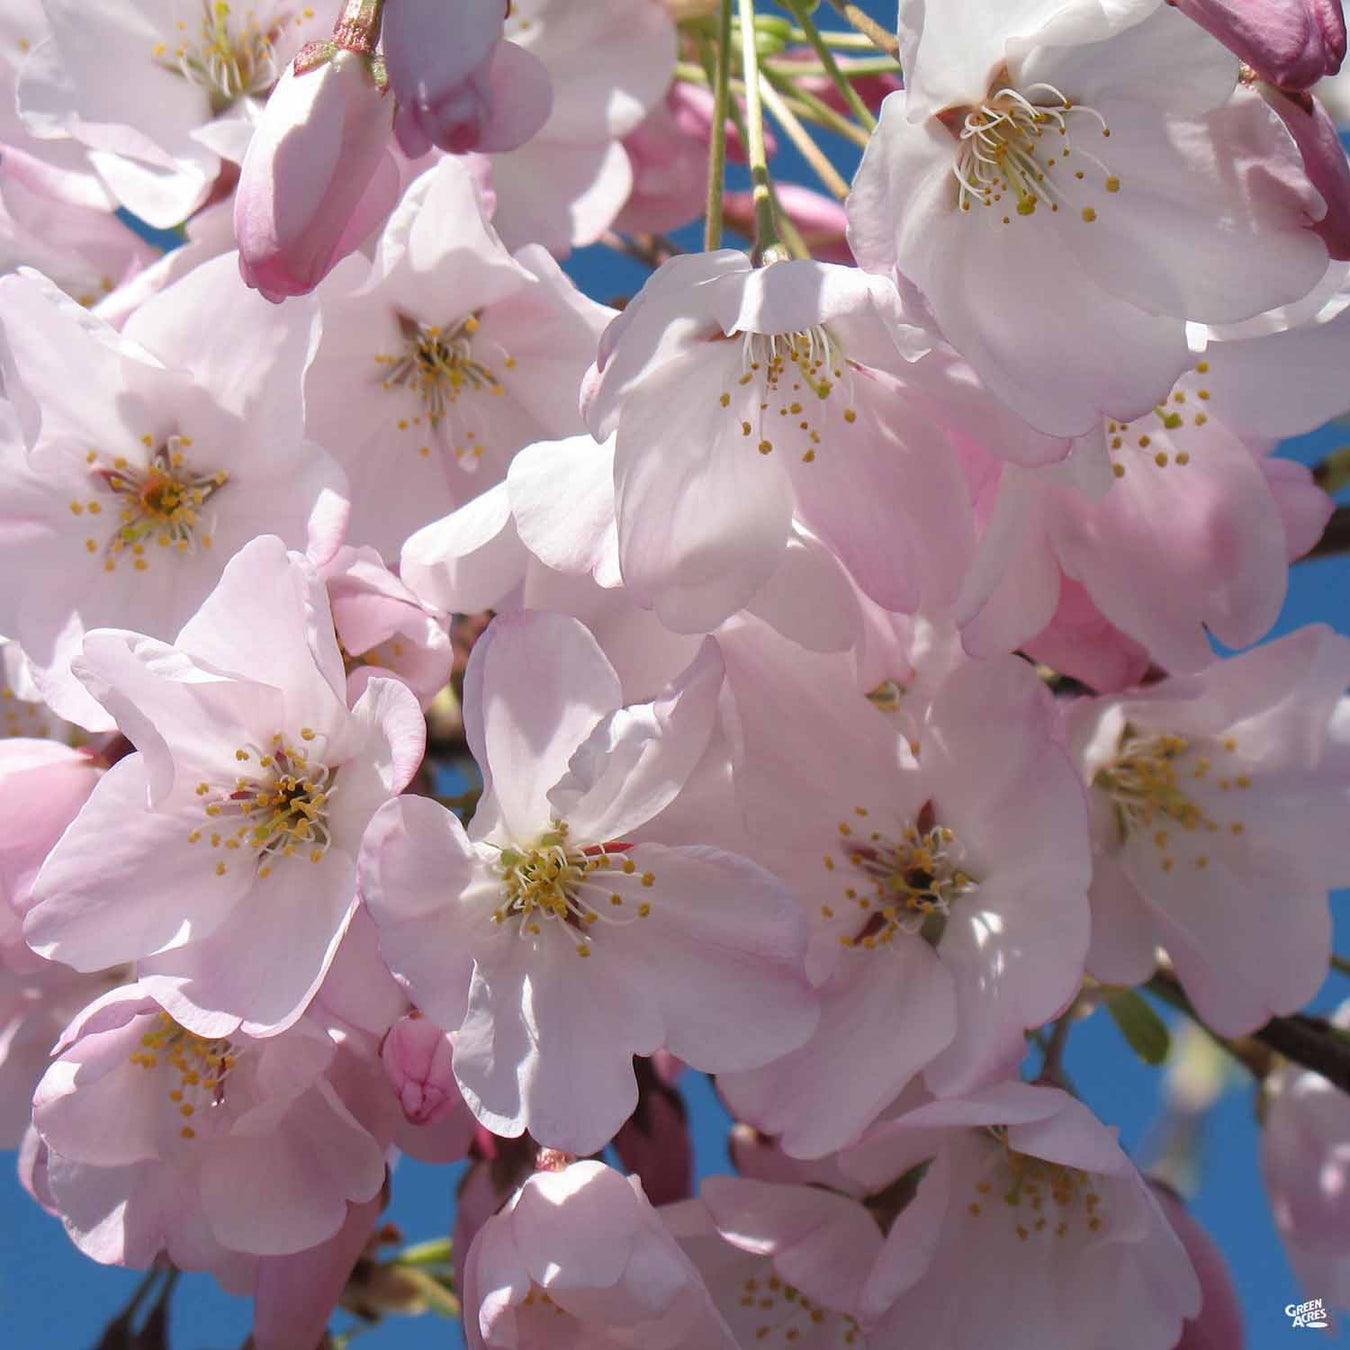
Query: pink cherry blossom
{"points": [[1210, 795], [782, 1263], [610, 62], [383, 628], [1058, 276], [1305, 1153], [1218, 1326], [416, 1056], [208, 1149], [561, 937], [781, 409], [246, 803], [433, 367], [1029, 1207], [317, 178], [944, 921], [160, 94], [580, 1257], [127, 494]]}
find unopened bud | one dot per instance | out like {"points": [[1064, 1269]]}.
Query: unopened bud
{"points": [[416, 1057], [458, 85], [1291, 43], [317, 176]]}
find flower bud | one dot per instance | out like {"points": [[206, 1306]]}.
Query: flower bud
{"points": [[317, 176], [1324, 161], [416, 1055], [1291, 43], [458, 85]]}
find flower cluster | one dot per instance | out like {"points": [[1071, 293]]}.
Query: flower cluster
{"points": [[832, 639]]}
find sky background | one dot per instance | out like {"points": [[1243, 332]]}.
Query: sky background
{"points": [[53, 1298]]}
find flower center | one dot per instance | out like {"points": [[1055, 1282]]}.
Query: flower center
{"points": [[438, 365], [159, 502], [1039, 1197], [201, 1067], [230, 58], [769, 1311], [555, 881], [795, 374], [1146, 442], [1151, 781], [281, 810], [1003, 150], [899, 883]]}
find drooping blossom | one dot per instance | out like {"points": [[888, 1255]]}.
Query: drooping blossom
{"points": [[1067, 213], [206, 1149], [561, 937], [580, 1257], [1217, 827], [318, 176], [784, 1264], [1031, 1210], [222, 855], [433, 367]]}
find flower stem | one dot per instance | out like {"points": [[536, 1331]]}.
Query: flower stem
{"points": [[867, 25], [766, 227], [1307, 1041], [850, 95], [838, 41], [358, 26], [717, 145], [801, 138], [811, 109]]}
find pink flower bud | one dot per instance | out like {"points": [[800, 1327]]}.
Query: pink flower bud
{"points": [[458, 85], [1324, 161], [416, 1056], [317, 177], [1291, 43]]}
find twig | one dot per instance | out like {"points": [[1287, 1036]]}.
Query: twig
{"points": [[1335, 538], [867, 25]]}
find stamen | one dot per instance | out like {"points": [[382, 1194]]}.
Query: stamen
{"points": [[231, 59]]}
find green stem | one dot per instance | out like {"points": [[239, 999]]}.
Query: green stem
{"points": [[717, 146], [766, 229], [839, 41], [868, 26], [808, 107], [849, 94], [801, 138], [865, 65], [435, 1251]]}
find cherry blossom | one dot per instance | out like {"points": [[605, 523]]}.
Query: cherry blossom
{"points": [[562, 937], [579, 1256], [1209, 795], [943, 921], [1105, 262], [781, 408], [1029, 1206], [433, 367], [248, 799], [127, 497], [157, 138]]}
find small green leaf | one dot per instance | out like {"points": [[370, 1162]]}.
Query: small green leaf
{"points": [[1139, 1024]]}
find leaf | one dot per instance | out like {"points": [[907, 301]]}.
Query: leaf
{"points": [[1139, 1024]]}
